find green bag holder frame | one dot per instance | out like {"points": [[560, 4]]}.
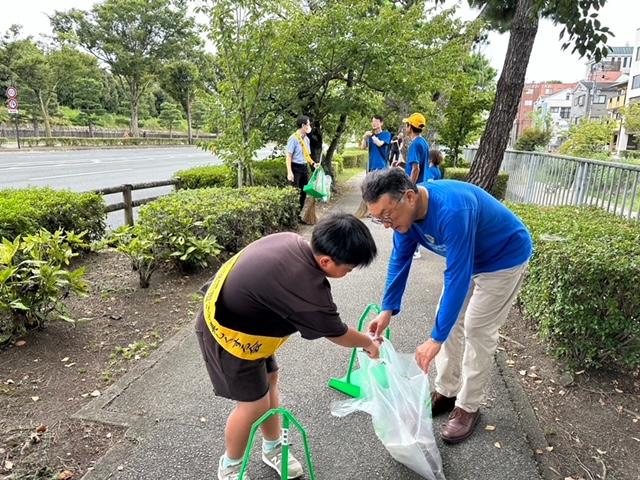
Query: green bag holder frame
{"points": [[287, 419], [350, 383]]}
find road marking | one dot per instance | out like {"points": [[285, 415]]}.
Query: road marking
{"points": [[80, 174]]}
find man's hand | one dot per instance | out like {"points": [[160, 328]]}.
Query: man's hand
{"points": [[290, 176], [373, 350], [316, 165], [426, 352], [368, 134], [378, 325]]}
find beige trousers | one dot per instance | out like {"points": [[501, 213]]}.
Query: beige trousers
{"points": [[465, 360]]}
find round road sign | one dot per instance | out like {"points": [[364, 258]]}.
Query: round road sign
{"points": [[12, 104], [12, 92]]}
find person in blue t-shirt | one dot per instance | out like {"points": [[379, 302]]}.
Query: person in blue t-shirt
{"points": [[435, 160], [377, 141], [487, 249], [418, 154]]}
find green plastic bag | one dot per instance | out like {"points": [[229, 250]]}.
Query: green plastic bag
{"points": [[319, 185]]}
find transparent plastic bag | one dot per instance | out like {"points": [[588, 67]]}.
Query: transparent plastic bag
{"points": [[395, 392], [319, 185]]}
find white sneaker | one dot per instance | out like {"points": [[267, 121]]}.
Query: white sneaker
{"points": [[274, 459], [417, 254], [231, 473]]}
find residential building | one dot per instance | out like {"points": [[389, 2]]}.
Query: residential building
{"points": [[614, 105], [626, 141], [619, 59], [530, 95], [558, 107], [590, 100]]}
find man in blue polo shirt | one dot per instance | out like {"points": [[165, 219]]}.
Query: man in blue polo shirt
{"points": [[487, 249], [418, 153], [377, 141]]}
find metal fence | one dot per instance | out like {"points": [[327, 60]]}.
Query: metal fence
{"points": [[546, 179], [8, 131]]}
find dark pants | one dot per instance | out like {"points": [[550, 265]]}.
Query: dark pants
{"points": [[300, 179]]}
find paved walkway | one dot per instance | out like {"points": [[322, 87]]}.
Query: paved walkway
{"points": [[176, 424]]}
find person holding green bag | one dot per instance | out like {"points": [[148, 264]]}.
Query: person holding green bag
{"points": [[298, 156]]}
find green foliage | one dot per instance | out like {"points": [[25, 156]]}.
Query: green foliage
{"points": [[581, 289], [100, 142], [267, 173], [354, 158], [631, 115], [170, 116], [140, 251], [34, 280], [26, 211], [532, 138], [499, 189], [589, 139]]}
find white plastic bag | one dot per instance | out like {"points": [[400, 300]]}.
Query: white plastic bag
{"points": [[395, 392]]}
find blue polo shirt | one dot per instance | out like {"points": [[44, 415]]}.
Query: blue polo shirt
{"points": [[472, 230], [433, 173], [418, 153], [378, 155], [295, 149]]}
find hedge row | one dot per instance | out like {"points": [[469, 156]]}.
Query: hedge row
{"points": [[268, 173], [582, 286], [355, 158], [499, 188], [96, 142], [26, 211]]}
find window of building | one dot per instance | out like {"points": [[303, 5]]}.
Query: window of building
{"points": [[565, 112], [528, 103], [581, 100], [548, 91], [636, 81], [599, 98], [567, 96], [554, 109], [637, 53], [528, 91]]}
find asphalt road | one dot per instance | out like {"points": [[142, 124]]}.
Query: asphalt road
{"points": [[83, 170]]}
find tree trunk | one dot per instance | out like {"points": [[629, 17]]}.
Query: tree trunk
{"points": [[134, 102], [328, 159], [189, 134], [45, 116], [486, 166]]}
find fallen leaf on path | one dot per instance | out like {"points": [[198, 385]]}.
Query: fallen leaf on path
{"points": [[65, 359], [8, 465], [41, 428], [490, 428], [95, 393], [20, 343], [64, 475], [601, 452], [618, 390], [35, 399], [549, 449], [522, 372], [497, 445], [539, 451]]}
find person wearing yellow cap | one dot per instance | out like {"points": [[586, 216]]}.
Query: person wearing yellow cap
{"points": [[418, 154]]}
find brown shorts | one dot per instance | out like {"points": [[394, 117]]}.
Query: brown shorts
{"points": [[232, 377]]}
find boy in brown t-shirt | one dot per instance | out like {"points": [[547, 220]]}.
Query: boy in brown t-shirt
{"points": [[273, 288]]}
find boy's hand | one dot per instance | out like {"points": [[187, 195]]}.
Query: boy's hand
{"points": [[378, 325], [373, 350]]}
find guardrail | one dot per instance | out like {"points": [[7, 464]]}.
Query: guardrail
{"points": [[128, 204], [547, 179]]}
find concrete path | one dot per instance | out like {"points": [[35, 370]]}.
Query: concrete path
{"points": [[176, 424]]}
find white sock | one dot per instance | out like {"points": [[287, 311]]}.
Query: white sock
{"points": [[229, 462], [268, 445]]}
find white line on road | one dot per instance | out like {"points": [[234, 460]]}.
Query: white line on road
{"points": [[80, 174]]}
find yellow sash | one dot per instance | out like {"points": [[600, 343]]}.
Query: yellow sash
{"points": [[238, 344], [305, 151]]}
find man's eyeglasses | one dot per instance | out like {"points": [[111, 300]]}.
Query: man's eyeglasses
{"points": [[386, 218]]}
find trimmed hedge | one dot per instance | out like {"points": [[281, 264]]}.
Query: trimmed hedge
{"points": [[499, 188], [96, 141], [582, 286], [26, 211], [337, 162], [233, 217], [355, 158], [269, 173]]}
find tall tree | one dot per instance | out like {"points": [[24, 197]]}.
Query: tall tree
{"points": [[88, 98], [133, 37], [181, 79], [170, 116], [521, 17]]}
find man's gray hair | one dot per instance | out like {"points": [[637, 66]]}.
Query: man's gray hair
{"points": [[393, 182]]}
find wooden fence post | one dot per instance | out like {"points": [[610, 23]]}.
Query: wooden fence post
{"points": [[128, 204]]}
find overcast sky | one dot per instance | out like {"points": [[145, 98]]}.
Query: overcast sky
{"points": [[547, 62]]}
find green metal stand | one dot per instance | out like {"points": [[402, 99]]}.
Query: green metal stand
{"points": [[287, 417], [350, 383]]}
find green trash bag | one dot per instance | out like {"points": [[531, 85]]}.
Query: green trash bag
{"points": [[319, 185]]}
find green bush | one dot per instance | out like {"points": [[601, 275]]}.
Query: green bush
{"points": [[582, 286], [2, 141], [34, 281], [267, 173], [355, 158], [632, 154], [532, 138], [499, 190], [100, 142], [338, 164], [25, 211]]}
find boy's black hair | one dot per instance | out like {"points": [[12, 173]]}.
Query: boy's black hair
{"points": [[393, 182], [435, 156], [302, 120], [379, 117], [345, 239], [414, 129]]}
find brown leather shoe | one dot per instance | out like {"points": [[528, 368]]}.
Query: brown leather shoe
{"points": [[460, 425], [441, 404]]}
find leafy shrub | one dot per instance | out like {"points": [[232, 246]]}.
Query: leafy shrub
{"points": [[100, 142], [24, 211], [268, 173], [499, 190], [355, 158], [34, 282], [2, 141], [338, 164], [533, 138], [581, 289]]}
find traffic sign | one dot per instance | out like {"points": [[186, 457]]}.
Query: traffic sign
{"points": [[12, 92], [12, 105]]}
